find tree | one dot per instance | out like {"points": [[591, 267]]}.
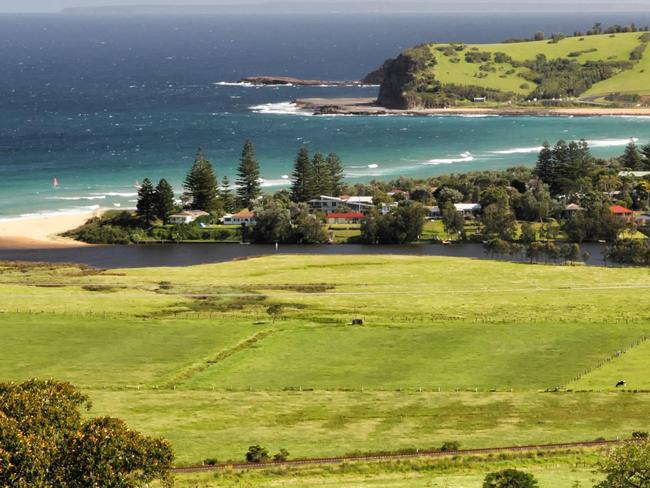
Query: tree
{"points": [[164, 200], [281, 456], [308, 229], [146, 206], [201, 184], [248, 181], [632, 158], [226, 195], [321, 184], [272, 224], [570, 252], [498, 220], [447, 194], [645, 150], [509, 478], [335, 172], [45, 441], [544, 168], [257, 454], [401, 226], [627, 466], [528, 233], [302, 177], [452, 220]]}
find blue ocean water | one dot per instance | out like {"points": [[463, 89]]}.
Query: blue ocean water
{"points": [[100, 102]]}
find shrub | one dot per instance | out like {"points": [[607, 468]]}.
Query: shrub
{"points": [[210, 461], [448, 446], [281, 456], [639, 434], [478, 56], [509, 478], [257, 454]]}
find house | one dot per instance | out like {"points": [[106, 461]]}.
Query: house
{"points": [[642, 220], [633, 174], [467, 209], [244, 217], [344, 217], [326, 203], [186, 217], [480, 99], [621, 212], [571, 210]]}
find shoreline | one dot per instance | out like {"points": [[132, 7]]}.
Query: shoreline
{"points": [[368, 107], [43, 232]]}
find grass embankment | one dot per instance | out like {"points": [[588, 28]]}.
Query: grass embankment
{"points": [[454, 67], [450, 349]]}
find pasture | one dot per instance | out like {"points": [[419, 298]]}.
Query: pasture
{"points": [[219, 357]]}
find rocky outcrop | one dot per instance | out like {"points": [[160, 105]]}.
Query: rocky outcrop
{"points": [[398, 74], [288, 80], [377, 76]]}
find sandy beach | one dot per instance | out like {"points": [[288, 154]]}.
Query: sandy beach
{"points": [[41, 232]]}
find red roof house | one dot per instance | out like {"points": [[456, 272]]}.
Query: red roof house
{"points": [[618, 210], [344, 217]]}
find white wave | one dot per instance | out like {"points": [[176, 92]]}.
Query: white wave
{"points": [[117, 194], [475, 116], [591, 143], [234, 83], [519, 150], [373, 166], [464, 158], [52, 213], [273, 182], [281, 108], [96, 197], [611, 142]]}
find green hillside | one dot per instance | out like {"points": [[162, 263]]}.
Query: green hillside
{"points": [[571, 68], [450, 349]]}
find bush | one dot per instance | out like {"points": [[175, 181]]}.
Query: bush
{"points": [[509, 478], [210, 461], [281, 456], [478, 56], [257, 454], [448, 446], [638, 434]]}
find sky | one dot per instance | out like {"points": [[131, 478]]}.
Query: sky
{"points": [[58, 5]]}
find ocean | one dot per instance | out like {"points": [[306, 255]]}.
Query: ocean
{"points": [[102, 102]]}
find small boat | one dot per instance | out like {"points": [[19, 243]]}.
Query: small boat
{"points": [[55, 183]]}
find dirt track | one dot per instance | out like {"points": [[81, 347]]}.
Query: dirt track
{"points": [[394, 457]]}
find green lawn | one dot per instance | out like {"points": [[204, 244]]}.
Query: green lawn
{"points": [[456, 70], [191, 353]]}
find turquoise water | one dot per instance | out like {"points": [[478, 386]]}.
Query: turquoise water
{"points": [[100, 104]]}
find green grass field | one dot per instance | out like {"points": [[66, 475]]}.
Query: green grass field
{"points": [[456, 70], [450, 349]]}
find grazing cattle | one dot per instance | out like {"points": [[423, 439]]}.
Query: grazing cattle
{"points": [[621, 383]]}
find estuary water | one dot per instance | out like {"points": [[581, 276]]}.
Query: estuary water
{"points": [[102, 102]]}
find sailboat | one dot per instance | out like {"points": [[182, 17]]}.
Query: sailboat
{"points": [[55, 183]]}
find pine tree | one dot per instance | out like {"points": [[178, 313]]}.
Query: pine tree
{"points": [[301, 178], [320, 180], [145, 207], [645, 150], [335, 171], [248, 181], [544, 168], [632, 158], [201, 184], [227, 197], [164, 200]]}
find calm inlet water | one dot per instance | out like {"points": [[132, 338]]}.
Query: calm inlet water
{"points": [[99, 103]]}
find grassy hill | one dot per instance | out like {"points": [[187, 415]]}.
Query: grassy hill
{"points": [[590, 68], [450, 349]]}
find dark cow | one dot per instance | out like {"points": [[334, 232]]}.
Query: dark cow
{"points": [[621, 383]]}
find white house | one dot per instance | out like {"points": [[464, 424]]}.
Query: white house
{"points": [[467, 209], [245, 217], [326, 203], [186, 217]]}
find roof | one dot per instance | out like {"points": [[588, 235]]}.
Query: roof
{"points": [[573, 206], [467, 206], [190, 213], [359, 200], [243, 214], [617, 209], [635, 174], [345, 215]]}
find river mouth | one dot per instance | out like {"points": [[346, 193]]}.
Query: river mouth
{"points": [[163, 255]]}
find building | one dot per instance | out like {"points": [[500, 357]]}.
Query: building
{"points": [[621, 212], [344, 217], [642, 220], [186, 217], [467, 209], [326, 203], [244, 217], [572, 209], [633, 174]]}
